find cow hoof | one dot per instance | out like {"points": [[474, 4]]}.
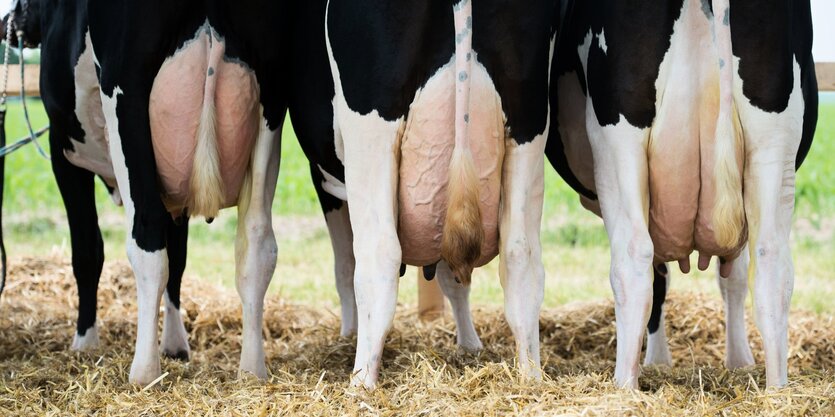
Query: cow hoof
{"points": [[630, 382], [531, 374], [180, 355], [87, 342], [143, 375], [471, 347], [348, 332], [259, 372], [661, 358], [174, 339], [740, 359], [370, 384]]}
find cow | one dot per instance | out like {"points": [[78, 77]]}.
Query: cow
{"points": [[682, 123], [310, 92], [193, 105], [440, 118], [79, 152]]}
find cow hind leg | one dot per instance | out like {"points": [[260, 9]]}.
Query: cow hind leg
{"points": [[342, 241], [459, 297], [734, 289], [174, 336], [371, 154], [521, 270], [658, 349], [255, 247], [621, 178], [130, 145], [769, 203], [77, 187]]}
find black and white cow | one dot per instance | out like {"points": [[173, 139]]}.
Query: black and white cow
{"points": [[79, 152], [310, 93], [440, 118], [191, 93], [682, 123]]}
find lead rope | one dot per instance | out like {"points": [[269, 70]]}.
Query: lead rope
{"points": [[6, 62], [33, 135]]}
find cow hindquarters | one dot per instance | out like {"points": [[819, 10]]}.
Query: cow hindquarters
{"points": [[371, 173], [255, 246], [521, 270], [621, 176]]}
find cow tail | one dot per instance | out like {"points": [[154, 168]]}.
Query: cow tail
{"points": [[463, 233], [729, 211], [206, 196]]}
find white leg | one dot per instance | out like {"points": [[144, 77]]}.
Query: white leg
{"points": [[459, 297], [734, 289], [621, 179], [174, 335], [255, 247], [769, 202], [371, 172], [521, 270], [149, 267], [658, 349], [342, 240]]}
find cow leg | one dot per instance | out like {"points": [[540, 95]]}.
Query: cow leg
{"points": [[77, 188], [342, 240], [371, 172], [658, 349], [769, 202], [459, 298], [174, 336], [131, 150], [521, 270], [622, 184], [734, 289], [255, 247]]}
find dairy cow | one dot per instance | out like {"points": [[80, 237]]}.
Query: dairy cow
{"points": [[682, 123], [310, 103], [193, 106], [79, 152], [440, 118]]}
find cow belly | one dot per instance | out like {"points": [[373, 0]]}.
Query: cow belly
{"points": [[198, 96], [426, 151]]}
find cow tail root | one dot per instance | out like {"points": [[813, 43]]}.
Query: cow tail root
{"points": [[729, 210], [463, 232]]}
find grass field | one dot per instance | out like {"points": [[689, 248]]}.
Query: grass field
{"points": [[574, 242]]}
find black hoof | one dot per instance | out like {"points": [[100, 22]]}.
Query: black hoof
{"points": [[180, 355]]}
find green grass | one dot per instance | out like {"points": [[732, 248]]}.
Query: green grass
{"points": [[575, 246]]}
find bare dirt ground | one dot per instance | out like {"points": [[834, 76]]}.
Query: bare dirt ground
{"points": [[423, 372]]}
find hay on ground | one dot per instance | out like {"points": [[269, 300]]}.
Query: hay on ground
{"points": [[423, 372]]}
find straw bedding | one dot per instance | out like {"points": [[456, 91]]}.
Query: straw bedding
{"points": [[423, 372]]}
